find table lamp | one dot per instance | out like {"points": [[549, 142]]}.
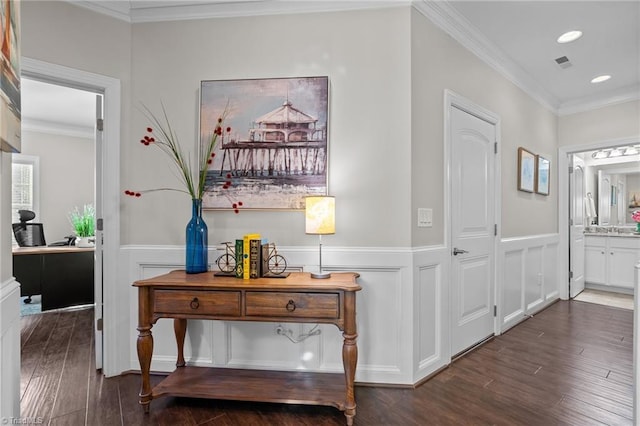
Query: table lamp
{"points": [[320, 219]]}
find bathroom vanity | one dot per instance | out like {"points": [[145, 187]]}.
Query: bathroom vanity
{"points": [[610, 259]]}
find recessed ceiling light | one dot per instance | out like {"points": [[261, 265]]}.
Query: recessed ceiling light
{"points": [[570, 36], [600, 78]]}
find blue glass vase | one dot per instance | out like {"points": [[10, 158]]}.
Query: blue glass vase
{"points": [[197, 241]]}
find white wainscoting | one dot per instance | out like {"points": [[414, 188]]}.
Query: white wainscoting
{"points": [[402, 311], [10, 350], [384, 317], [431, 310], [528, 277], [636, 344]]}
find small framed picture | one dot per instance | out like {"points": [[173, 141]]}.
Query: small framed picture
{"points": [[526, 170], [542, 181]]}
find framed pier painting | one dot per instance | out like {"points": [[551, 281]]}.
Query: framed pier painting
{"points": [[274, 148]]}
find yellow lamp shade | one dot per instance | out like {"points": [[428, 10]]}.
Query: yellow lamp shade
{"points": [[320, 215]]}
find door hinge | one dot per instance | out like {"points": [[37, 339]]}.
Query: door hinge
{"points": [[570, 274], [570, 222], [570, 169], [99, 224], [495, 311], [495, 147], [100, 124], [495, 230], [99, 324]]}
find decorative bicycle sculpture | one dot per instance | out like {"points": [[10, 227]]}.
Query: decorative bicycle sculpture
{"points": [[227, 260], [275, 263]]}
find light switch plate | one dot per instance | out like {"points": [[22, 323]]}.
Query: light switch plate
{"points": [[425, 218]]}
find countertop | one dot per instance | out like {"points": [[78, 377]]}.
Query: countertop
{"points": [[613, 234]]}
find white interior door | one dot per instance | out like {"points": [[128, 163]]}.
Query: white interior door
{"points": [[576, 226], [472, 229], [97, 281]]}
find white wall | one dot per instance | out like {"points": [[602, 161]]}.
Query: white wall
{"points": [[67, 178], [620, 121], [439, 63], [9, 304], [366, 56]]}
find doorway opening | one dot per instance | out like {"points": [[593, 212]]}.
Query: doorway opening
{"points": [[108, 344], [597, 213], [53, 179]]}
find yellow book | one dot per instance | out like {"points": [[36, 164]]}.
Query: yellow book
{"points": [[246, 242]]}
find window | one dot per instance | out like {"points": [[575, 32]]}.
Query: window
{"points": [[25, 172]]}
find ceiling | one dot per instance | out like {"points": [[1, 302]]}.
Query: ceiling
{"points": [[57, 109], [517, 38]]}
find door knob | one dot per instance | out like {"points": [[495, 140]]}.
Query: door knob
{"points": [[457, 251]]}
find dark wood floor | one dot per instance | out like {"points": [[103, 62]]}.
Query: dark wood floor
{"points": [[569, 365]]}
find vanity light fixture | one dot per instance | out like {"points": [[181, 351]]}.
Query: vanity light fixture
{"points": [[600, 78], [599, 155], [615, 153], [569, 36]]}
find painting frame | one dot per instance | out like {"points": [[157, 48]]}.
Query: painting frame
{"points": [[10, 99], [543, 174], [275, 148], [527, 170]]}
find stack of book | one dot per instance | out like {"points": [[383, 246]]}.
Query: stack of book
{"points": [[251, 257], [248, 254]]}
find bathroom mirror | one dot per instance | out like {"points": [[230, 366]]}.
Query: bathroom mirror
{"points": [[604, 198], [618, 196]]}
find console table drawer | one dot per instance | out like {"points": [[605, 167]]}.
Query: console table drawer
{"points": [[310, 305], [196, 302]]}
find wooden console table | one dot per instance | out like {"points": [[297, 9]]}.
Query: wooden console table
{"points": [[297, 298]]}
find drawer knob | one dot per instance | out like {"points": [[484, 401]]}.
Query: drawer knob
{"points": [[291, 306], [195, 303]]}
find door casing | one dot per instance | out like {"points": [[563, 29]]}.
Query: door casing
{"points": [[563, 197], [114, 356]]}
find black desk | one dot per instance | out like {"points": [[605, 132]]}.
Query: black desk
{"points": [[62, 275]]}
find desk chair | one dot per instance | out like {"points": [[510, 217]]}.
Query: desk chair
{"points": [[28, 235]]}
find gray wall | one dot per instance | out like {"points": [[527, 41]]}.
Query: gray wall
{"points": [[67, 178], [439, 63]]}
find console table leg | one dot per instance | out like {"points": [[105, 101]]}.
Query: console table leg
{"points": [[350, 355], [145, 348], [180, 328]]}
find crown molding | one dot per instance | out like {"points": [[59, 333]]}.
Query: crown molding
{"points": [[589, 103], [440, 12], [444, 16], [162, 11], [116, 9]]}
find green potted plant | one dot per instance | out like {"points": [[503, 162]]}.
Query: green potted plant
{"points": [[83, 223]]}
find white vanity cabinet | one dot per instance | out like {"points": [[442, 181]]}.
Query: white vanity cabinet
{"points": [[609, 260]]}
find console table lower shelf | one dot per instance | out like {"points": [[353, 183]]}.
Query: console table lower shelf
{"points": [[285, 387]]}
